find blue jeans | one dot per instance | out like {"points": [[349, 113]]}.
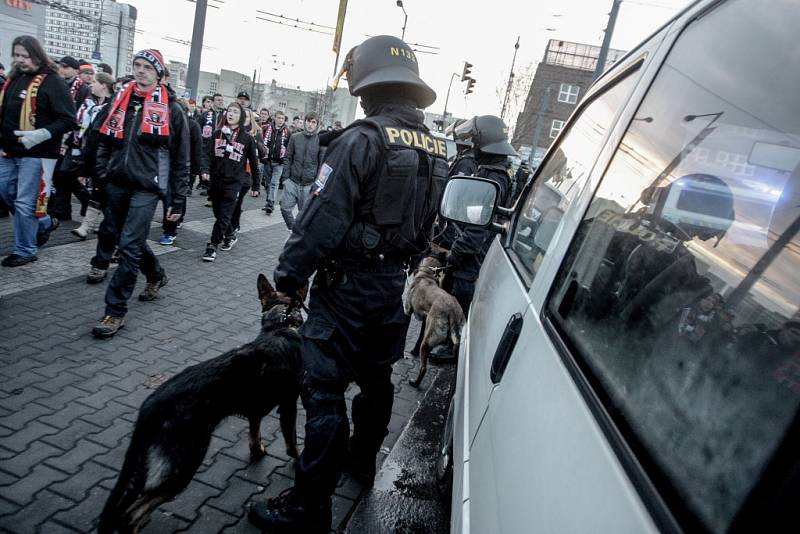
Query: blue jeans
{"points": [[126, 225], [19, 187], [272, 175]]}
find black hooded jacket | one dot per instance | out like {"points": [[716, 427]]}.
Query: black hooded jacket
{"points": [[150, 165], [226, 156]]}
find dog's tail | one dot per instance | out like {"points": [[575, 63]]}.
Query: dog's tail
{"points": [[128, 487]]}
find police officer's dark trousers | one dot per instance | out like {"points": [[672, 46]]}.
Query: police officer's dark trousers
{"points": [[354, 332]]}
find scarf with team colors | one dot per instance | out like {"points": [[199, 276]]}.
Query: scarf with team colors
{"points": [[27, 114], [155, 112], [269, 131], [75, 86]]}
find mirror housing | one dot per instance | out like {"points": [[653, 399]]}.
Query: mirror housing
{"points": [[470, 200]]}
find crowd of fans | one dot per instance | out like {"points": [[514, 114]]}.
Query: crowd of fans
{"points": [[122, 145]]}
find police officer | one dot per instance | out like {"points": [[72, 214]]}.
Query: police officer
{"points": [[371, 208], [491, 149], [464, 163]]}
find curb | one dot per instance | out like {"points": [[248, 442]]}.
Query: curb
{"points": [[405, 497]]}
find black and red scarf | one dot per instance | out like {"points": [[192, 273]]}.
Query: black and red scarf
{"points": [[231, 147], [209, 123], [269, 131], [155, 112]]}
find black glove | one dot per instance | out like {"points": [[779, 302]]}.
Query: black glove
{"points": [[178, 207], [280, 183]]}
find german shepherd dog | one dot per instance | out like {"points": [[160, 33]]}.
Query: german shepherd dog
{"points": [[440, 310], [175, 423]]}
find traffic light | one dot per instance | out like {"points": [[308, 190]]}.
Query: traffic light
{"points": [[470, 85], [467, 69]]}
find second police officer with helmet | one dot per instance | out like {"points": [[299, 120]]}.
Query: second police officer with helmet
{"points": [[371, 209], [492, 150]]}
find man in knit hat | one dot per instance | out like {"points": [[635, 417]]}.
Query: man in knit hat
{"points": [[143, 156]]}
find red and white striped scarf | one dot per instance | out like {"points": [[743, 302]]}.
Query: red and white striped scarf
{"points": [[269, 131], [155, 112], [75, 86]]}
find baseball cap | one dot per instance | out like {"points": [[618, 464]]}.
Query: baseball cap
{"points": [[69, 61], [243, 94]]}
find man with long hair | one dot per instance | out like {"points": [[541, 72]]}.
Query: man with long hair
{"points": [[36, 110], [143, 156]]}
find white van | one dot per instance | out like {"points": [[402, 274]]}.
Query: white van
{"points": [[631, 361]]}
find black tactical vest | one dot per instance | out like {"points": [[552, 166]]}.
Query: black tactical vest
{"points": [[400, 205]]}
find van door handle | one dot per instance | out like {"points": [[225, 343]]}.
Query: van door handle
{"points": [[506, 347]]}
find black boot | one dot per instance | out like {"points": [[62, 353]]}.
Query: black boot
{"points": [[361, 468], [290, 513]]}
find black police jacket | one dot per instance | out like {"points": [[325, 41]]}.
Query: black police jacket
{"points": [[362, 186], [470, 247]]}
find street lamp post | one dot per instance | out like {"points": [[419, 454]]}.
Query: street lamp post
{"points": [[405, 20], [447, 98]]}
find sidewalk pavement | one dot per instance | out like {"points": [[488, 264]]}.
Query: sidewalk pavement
{"points": [[68, 402]]}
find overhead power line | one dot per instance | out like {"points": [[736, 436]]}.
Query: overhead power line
{"points": [[294, 26], [295, 20]]}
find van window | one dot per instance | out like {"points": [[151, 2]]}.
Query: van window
{"points": [[564, 174], [680, 292]]}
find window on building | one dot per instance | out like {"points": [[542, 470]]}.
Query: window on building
{"points": [[282, 105], [213, 86], [568, 93], [556, 127], [679, 295]]}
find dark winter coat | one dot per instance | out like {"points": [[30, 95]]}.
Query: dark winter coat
{"points": [[144, 164], [55, 112]]}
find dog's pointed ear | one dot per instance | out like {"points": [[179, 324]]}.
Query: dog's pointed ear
{"points": [[265, 289]]}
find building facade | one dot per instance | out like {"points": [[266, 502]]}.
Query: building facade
{"points": [[330, 105], [99, 31], [19, 17], [562, 78]]}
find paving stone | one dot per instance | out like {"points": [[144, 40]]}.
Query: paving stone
{"points": [[83, 516], [21, 464], [28, 518], [187, 504], [72, 461], [108, 414], [21, 397], [90, 475], [20, 418], [162, 522], [67, 438], [114, 435], [6, 508], [100, 399], [20, 440], [113, 458], [340, 510], [65, 416], [51, 527], [236, 496], [23, 490], [211, 520], [220, 470]]}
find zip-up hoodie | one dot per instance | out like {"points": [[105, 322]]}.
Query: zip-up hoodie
{"points": [[227, 154], [137, 163], [304, 155]]}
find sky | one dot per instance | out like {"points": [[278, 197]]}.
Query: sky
{"points": [[480, 32]]}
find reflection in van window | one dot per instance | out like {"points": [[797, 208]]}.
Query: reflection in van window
{"points": [[563, 176], [681, 290]]}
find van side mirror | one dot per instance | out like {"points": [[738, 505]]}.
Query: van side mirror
{"points": [[470, 200]]}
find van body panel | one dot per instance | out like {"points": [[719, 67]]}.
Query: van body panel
{"points": [[498, 296]]}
